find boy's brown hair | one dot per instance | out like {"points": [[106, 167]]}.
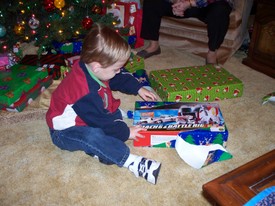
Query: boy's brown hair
{"points": [[105, 46]]}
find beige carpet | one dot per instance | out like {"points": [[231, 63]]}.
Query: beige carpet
{"points": [[35, 172]]}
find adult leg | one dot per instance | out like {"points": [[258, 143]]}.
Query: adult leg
{"points": [[153, 11], [216, 16], [217, 20]]}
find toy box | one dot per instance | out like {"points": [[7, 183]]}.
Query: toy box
{"points": [[195, 84], [202, 123]]}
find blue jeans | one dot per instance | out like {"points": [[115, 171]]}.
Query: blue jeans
{"points": [[93, 141]]}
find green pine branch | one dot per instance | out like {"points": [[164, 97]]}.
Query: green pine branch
{"points": [[59, 25]]}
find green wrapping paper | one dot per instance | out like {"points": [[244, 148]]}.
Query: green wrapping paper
{"points": [[134, 63], [195, 84], [18, 80], [29, 96]]}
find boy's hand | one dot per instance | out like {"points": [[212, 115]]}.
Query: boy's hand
{"points": [[134, 132], [146, 95]]}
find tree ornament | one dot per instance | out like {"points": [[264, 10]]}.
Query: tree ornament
{"points": [[59, 3], [19, 29], [71, 9], [87, 23], [49, 5], [34, 22], [96, 9], [2, 31]]}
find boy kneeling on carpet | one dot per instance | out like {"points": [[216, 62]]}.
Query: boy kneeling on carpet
{"points": [[84, 115]]}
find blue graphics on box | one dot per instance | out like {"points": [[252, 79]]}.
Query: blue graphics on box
{"points": [[196, 123]]}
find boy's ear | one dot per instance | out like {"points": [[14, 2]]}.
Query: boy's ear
{"points": [[95, 66]]}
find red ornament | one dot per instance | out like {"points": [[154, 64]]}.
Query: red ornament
{"points": [[49, 5], [87, 23]]}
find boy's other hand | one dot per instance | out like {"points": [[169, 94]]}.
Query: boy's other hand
{"points": [[147, 95], [134, 132]]}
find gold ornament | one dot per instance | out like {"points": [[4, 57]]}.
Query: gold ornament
{"points": [[59, 3], [19, 29]]}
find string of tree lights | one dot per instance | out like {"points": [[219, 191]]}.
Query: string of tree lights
{"points": [[45, 21]]}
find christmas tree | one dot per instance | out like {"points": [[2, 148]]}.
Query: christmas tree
{"points": [[46, 21]]}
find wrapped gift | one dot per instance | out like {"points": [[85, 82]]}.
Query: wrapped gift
{"points": [[64, 71], [34, 60], [201, 123], [73, 47], [7, 60], [134, 63], [27, 97], [70, 60], [53, 70], [195, 84], [50, 61], [18, 80], [4, 61]]}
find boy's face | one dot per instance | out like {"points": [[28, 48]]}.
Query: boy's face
{"points": [[105, 74]]}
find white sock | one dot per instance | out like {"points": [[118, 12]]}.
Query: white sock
{"points": [[130, 160]]}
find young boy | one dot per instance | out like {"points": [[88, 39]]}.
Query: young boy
{"points": [[83, 114]]}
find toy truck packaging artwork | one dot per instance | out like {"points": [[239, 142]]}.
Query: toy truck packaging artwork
{"points": [[202, 123]]}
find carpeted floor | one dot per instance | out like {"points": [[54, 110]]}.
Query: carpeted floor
{"points": [[35, 172]]}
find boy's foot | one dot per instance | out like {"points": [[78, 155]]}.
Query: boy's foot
{"points": [[146, 168]]}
